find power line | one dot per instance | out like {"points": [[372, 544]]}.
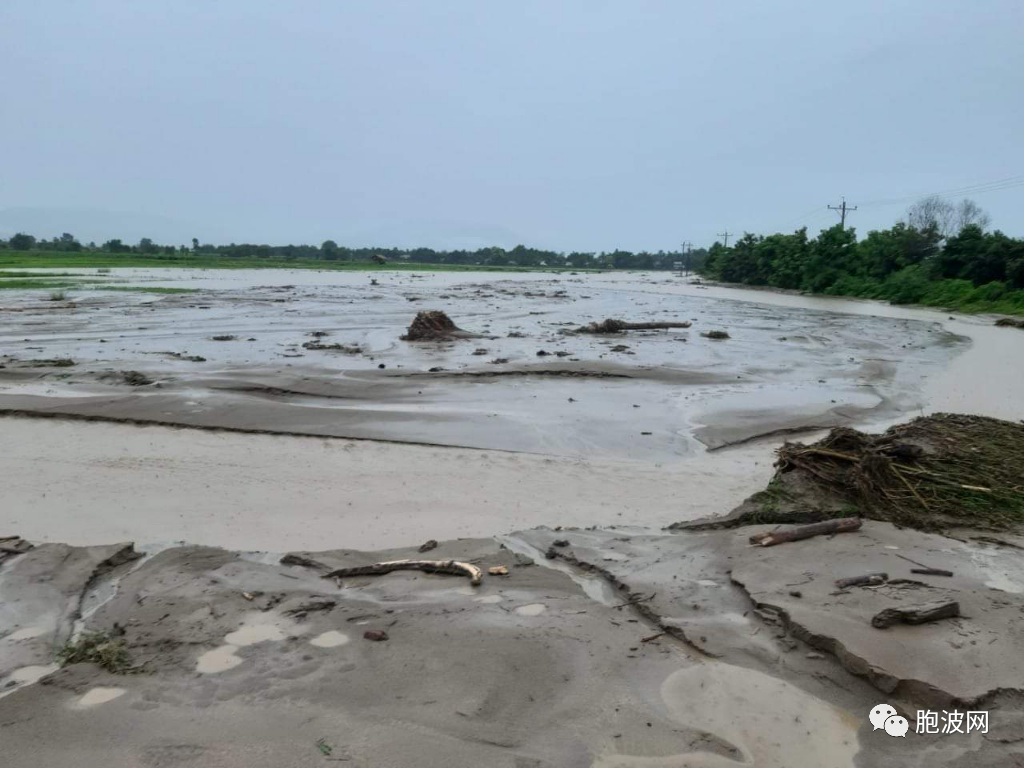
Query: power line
{"points": [[996, 185], [726, 236], [973, 189], [686, 255], [842, 208]]}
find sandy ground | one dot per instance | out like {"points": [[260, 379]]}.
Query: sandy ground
{"points": [[98, 482], [624, 651], [108, 482], [631, 648]]}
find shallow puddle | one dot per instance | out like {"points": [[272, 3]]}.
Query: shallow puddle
{"points": [[251, 634], [32, 674], [27, 633], [330, 639], [533, 609], [218, 660], [99, 695]]}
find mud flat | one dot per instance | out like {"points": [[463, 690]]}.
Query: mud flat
{"points": [[691, 649], [609, 643], [322, 355], [583, 435]]}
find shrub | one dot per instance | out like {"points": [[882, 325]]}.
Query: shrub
{"points": [[908, 286]]}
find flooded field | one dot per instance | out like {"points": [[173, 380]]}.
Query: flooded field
{"points": [[319, 353], [601, 430], [221, 428]]}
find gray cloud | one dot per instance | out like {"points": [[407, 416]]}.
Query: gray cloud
{"points": [[579, 124]]}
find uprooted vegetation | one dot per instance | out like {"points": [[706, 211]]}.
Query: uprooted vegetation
{"points": [[98, 648], [612, 325], [433, 325], [350, 349], [931, 473]]}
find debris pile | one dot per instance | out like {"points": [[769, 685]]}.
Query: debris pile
{"points": [[930, 473], [350, 349], [1010, 322], [433, 324], [612, 325]]}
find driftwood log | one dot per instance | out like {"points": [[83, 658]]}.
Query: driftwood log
{"points": [[452, 567], [771, 538], [931, 571], [867, 580], [916, 614], [612, 325], [305, 562]]}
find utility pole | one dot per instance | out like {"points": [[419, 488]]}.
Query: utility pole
{"points": [[842, 208], [726, 236], [685, 251]]}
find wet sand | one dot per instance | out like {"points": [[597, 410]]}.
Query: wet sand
{"points": [[707, 659], [528, 385], [582, 463], [666, 651]]}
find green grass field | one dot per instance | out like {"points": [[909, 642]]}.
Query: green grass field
{"points": [[91, 260]]}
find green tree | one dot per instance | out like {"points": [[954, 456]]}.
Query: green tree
{"points": [[886, 251], [146, 245], [21, 242], [67, 242], [785, 258], [329, 249], [116, 246], [832, 255]]}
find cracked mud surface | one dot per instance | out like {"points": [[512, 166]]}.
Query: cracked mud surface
{"points": [[626, 650]]}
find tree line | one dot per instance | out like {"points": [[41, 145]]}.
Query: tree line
{"points": [[329, 250], [940, 255]]}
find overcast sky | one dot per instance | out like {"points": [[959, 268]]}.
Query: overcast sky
{"points": [[565, 124]]}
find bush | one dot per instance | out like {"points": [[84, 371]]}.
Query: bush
{"points": [[862, 287], [948, 293], [908, 286], [989, 292]]}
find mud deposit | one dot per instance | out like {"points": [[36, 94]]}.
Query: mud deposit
{"points": [[667, 651], [319, 354]]}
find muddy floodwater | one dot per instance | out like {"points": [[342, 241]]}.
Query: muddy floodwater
{"points": [[272, 412], [473, 437], [320, 353]]}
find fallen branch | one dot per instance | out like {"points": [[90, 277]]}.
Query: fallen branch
{"points": [[925, 569], [452, 567], [771, 538], [915, 614], [311, 607], [305, 562], [618, 326], [911, 488], [867, 580], [931, 571], [635, 601]]}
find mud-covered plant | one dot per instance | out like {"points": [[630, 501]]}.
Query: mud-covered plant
{"points": [[98, 648]]}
